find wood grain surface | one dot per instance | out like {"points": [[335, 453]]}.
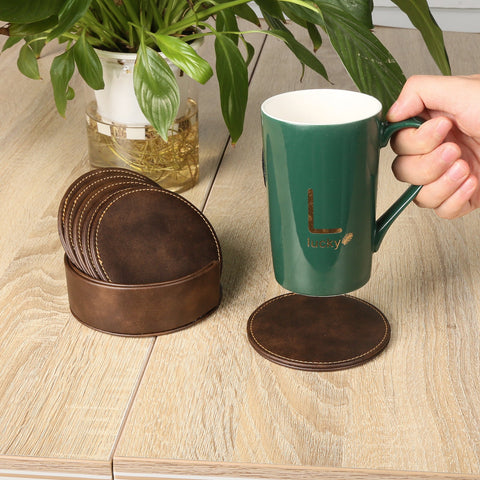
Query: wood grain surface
{"points": [[65, 390], [207, 397], [200, 403]]}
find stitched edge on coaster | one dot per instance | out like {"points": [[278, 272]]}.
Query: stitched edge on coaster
{"points": [[96, 193], [163, 192], [87, 230], [72, 190], [306, 362], [78, 182], [84, 189]]}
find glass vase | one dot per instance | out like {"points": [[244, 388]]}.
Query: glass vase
{"points": [[119, 135]]}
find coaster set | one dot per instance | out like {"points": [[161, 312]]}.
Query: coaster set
{"points": [[139, 259]]}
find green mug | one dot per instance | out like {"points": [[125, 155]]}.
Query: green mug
{"points": [[321, 150]]}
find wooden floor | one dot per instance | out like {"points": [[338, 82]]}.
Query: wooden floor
{"points": [[200, 403]]}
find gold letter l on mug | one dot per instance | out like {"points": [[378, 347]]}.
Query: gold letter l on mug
{"points": [[311, 223]]}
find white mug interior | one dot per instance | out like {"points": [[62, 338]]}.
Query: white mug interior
{"points": [[321, 107]]}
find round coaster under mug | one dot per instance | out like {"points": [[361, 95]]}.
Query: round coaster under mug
{"points": [[318, 333]]}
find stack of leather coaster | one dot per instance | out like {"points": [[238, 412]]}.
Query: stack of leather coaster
{"points": [[139, 260]]}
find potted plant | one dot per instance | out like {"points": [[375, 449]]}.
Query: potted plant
{"points": [[147, 27]]}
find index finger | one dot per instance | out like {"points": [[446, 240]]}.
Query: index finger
{"points": [[425, 139], [431, 92]]}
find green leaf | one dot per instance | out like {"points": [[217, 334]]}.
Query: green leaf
{"points": [[27, 63], [70, 93], [232, 77], [28, 11], [88, 63], [35, 44], [315, 36], [156, 90], [71, 12], [184, 57], [23, 29], [272, 7], [61, 72], [305, 56], [242, 10], [360, 10], [369, 63], [247, 13], [419, 14], [10, 42], [250, 52], [302, 15], [227, 22]]}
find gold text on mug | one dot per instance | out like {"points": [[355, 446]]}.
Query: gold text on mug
{"points": [[311, 222], [328, 243]]}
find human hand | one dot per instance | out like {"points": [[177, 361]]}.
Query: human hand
{"points": [[443, 154]]}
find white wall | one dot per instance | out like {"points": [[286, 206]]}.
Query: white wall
{"points": [[451, 15]]}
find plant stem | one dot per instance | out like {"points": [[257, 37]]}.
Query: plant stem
{"points": [[91, 24], [131, 12], [157, 15], [193, 18], [114, 13]]}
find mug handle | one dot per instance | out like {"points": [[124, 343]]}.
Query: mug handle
{"points": [[385, 221]]}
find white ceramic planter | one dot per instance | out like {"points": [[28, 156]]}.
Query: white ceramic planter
{"points": [[117, 102], [119, 135]]}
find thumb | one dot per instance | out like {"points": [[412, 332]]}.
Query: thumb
{"points": [[421, 93]]}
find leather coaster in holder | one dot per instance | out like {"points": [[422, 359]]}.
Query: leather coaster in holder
{"points": [[76, 189], [318, 333], [139, 260], [86, 200], [147, 235]]}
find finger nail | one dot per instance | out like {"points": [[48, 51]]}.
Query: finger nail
{"points": [[394, 109], [469, 185], [449, 153], [442, 128], [457, 171]]}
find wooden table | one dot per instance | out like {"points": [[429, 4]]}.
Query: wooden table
{"points": [[201, 404]]}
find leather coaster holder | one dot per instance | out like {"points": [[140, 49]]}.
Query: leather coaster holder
{"points": [[139, 260], [318, 333], [143, 310]]}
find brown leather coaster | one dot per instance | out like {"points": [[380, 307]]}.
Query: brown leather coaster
{"points": [[88, 201], [148, 235], [69, 200], [318, 333], [85, 233]]}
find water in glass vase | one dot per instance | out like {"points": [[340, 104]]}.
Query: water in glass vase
{"points": [[172, 164]]}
